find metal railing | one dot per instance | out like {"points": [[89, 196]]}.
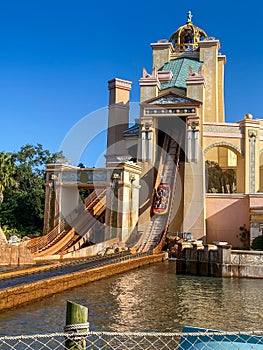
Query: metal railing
{"points": [[135, 340]]}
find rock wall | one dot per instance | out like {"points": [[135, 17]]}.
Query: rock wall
{"points": [[15, 254]]}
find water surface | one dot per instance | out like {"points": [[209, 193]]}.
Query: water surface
{"points": [[151, 298]]}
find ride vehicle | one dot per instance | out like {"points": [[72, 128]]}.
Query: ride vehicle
{"points": [[161, 199]]}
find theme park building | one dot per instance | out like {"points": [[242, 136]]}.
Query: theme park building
{"points": [[179, 169]]}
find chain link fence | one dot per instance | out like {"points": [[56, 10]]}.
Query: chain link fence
{"points": [[122, 341]]}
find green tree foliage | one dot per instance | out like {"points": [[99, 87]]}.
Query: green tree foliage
{"points": [[23, 206], [218, 180], [7, 173], [257, 243]]}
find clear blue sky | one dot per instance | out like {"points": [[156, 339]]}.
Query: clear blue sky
{"points": [[56, 57]]}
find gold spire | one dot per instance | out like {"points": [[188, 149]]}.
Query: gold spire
{"points": [[186, 37]]}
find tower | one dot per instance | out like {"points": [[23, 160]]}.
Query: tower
{"points": [[184, 89]]}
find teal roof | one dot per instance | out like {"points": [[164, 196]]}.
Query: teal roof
{"points": [[133, 130], [180, 70]]}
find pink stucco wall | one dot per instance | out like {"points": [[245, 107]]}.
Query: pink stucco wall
{"points": [[256, 200], [225, 214]]}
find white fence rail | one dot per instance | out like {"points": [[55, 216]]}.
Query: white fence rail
{"points": [[129, 341]]}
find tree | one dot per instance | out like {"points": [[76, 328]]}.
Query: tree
{"points": [[214, 174], [257, 243], [7, 173], [23, 208], [218, 180]]}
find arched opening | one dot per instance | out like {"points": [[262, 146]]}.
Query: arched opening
{"points": [[223, 169]]}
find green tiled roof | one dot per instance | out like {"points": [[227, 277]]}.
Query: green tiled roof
{"points": [[180, 70], [133, 130]]}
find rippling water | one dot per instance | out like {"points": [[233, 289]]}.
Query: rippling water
{"points": [[151, 298]]}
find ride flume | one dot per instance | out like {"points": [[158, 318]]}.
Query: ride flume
{"points": [[81, 230], [64, 237], [154, 235]]}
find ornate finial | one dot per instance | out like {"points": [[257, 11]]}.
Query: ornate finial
{"points": [[186, 37], [189, 17]]}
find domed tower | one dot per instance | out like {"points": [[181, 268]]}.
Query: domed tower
{"points": [[186, 86], [186, 37], [181, 62]]}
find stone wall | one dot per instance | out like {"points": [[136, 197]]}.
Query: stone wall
{"points": [[246, 263], [219, 261], [15, 254], [19, 295]]}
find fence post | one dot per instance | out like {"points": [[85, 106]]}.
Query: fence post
{"points": [[76, 322]]}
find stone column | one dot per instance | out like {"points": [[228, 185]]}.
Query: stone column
{"points": [[147, 140], [122, 200], [252, 141], [250, 147], [192, 137]]}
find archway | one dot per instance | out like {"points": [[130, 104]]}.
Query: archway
{"points": [[224, 168]]}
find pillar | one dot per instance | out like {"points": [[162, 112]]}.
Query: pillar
{"points": [[194, 180], [149, 85], [147, 140], [122, 200], [162, 51], [209, 55], [118, 119], [251, 149]]}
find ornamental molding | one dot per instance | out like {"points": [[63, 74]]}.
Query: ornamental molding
{"points": [[252, 134], [169, 111], [227, 145], [226, 129], [171, 99]]}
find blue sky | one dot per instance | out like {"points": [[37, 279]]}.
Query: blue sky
{"points": [[56, 57]]}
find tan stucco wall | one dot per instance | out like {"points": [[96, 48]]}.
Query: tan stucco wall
{"points": [[209, 55], [161, 54]]}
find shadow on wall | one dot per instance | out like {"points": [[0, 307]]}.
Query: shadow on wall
{"points": [[225, 215]]}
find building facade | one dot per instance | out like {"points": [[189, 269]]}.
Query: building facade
{"points": [[213, 168], [183, 97]]}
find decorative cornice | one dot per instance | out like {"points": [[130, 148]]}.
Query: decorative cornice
{"points": [[162, 45], [195, 78], [150, 82], [209, 42], [221, 128], [165, 75], [119, 84]]}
